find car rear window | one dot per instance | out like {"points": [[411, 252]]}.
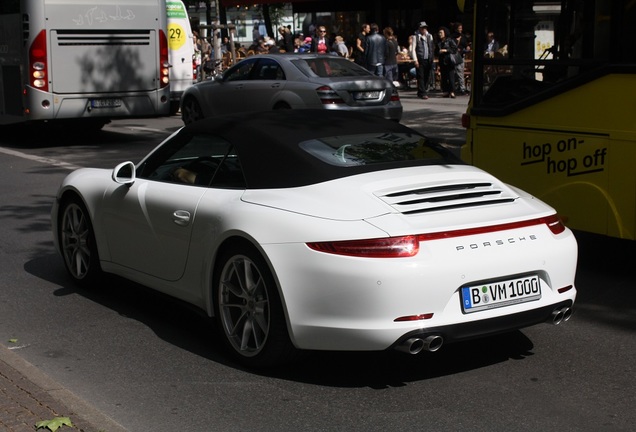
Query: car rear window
{"points": [[329, 67], [376, 148]]}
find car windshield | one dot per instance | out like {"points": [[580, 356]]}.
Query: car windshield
{"points": [[329, 67], [368, 149]]}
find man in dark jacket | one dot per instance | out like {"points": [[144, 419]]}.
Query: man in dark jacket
{"points": [[320, 43], [374, 51]]}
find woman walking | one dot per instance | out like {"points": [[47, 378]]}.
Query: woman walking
{"points": [[447, 55]]}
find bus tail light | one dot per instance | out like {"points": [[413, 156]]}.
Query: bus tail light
{"points": [[465, 121], [164, 63], [38, 63]]}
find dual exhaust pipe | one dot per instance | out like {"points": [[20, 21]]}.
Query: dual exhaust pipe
{"points": [[561, 315], [415, 345], [432, 343]]}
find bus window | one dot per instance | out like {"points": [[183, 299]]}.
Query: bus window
{"points": [[551, 109]]}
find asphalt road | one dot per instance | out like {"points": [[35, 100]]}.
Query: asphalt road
{"points": [[151, 363]]}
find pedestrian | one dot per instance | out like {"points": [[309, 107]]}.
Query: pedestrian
{"points": [[422, 52], [375, 51], [320, 43], [358, 48], [492, 46], [463, 47], [391, 55], [286, 43], [340, 47], [448, 57]]}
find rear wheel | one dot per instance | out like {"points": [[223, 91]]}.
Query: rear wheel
{"points": [[249, 310], [77, 242], [191, 110]]}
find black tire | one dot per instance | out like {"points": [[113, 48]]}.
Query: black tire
{"points": [[249, 311], [77, 242], [191, 110]]}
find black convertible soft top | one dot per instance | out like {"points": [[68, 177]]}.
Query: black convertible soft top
{"points": [[267, 144]]}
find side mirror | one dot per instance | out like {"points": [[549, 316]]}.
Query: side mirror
{"points": [[124, 173]]}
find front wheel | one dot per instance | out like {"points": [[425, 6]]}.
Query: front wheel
{"points": [[77, 242], [191, 110], [249, 310]]}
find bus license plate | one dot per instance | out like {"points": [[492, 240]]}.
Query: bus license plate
{"points": [[105, 103], [501, 293], [366, 95]]}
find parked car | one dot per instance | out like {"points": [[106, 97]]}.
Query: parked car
{"points": [[283, 81], [320, 230]]}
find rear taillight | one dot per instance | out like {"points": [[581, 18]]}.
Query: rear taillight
{"points": [[395, 97], [328, 96], [391, 247], [408, 246], [554, 223], [38, 66], [164, 63]]}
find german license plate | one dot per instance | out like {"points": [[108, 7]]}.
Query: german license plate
{"points": [[105, 103], [500, 293], [365, 95]]}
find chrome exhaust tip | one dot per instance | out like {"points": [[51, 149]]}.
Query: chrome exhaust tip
{"points": [[411, 346], [561, 315], [557, 316], [415, 345], [433, 343], [567, 313]]}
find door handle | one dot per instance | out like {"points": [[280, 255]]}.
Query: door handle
{"points": [[181, 217]]}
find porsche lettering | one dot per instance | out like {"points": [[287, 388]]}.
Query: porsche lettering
{"points": [[498, 242]]}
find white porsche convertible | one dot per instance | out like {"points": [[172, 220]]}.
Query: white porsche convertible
{"points": [[321, 230]]}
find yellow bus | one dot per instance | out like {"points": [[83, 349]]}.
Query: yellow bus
{"points": [[553, 106]]}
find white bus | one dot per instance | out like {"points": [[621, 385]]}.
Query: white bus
{"points": [[180, 52], [89, 60]]}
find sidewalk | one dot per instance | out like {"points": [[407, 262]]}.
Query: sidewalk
{"points": [[28, 396]]}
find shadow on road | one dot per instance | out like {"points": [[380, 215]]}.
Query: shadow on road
{"points": [[187, 328]]}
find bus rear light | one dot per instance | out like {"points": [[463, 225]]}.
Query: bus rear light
{"points": [[164, 62], [465, 120], [37, 62]]}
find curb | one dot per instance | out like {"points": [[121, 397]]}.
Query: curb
{"points": [[31, 396]]}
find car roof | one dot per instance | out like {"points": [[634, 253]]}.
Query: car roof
{"points": [[267, 143]]}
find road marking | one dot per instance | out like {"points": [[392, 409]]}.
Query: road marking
{"points": [[40, 159]]}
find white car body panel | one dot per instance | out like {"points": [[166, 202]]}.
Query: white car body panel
{"points": [[332, 301]]}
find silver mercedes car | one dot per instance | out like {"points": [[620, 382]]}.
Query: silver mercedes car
{"points": [[292, 81]]}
